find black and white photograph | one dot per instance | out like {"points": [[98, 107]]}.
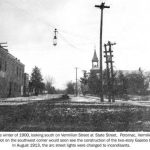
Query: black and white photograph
{"points": [[75, 66]]}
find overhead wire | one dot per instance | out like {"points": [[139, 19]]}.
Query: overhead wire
{"points": [[62, 33], [70, 39], [68, 42], [70, 36]]}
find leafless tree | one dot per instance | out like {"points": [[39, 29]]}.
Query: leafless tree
{"points": [[49, 81]]}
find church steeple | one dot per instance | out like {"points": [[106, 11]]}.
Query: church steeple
{"points": [[95, 60]]}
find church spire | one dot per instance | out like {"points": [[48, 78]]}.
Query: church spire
{"points": [[94, 60]]}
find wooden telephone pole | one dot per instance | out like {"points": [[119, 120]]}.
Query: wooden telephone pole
{"points": [[110, 72], [102, 6], [76, 81]]}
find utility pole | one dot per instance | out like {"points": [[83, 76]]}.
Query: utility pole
{"points": [[102, 6], [76, 81], [84, 82], [110, 72]]}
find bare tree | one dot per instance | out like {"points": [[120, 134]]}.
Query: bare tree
{"points": [[49, 85]]}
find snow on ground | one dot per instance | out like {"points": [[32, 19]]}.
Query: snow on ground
{"points": [[96, 100], [25, 100], [92, 100]]}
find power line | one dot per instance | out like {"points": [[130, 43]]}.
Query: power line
{"points": [[62, 32], [71, 42], [74, 35], [68, 42]]}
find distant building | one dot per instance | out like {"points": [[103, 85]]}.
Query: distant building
{"points": [[95, 64], [11, 75]]}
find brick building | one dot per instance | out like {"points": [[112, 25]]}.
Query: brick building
{"points": [[11, 75], [26, 85]]}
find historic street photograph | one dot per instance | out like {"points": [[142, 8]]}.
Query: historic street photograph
{"points": [[74, 65]]}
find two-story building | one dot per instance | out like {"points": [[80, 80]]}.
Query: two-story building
{"points": [[11, 75]]}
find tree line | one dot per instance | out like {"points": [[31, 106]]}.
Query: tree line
{"points": [[134, 83], [125, 83], [38, 86]]}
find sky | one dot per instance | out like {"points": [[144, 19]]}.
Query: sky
{"points": [[28, 28]]}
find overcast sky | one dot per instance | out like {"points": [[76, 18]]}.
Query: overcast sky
{"points": [[28, 25]]}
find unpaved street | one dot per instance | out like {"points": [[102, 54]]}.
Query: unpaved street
{"points": [[79, 100]]}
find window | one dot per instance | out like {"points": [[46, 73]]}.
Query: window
{"points": [[5, 66], [0, 64], [17, 71]]}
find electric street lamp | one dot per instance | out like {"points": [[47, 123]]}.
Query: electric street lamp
{"points": [[55, 37]]}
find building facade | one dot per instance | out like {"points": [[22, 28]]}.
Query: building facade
{"points": [[26, 84], [11, 75]]}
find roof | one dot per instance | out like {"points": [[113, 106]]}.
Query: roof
{"points": [[13, 58], [95, 58]]}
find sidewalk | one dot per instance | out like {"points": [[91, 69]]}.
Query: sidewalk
{"points": [[93, 99], [25, 100]]}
